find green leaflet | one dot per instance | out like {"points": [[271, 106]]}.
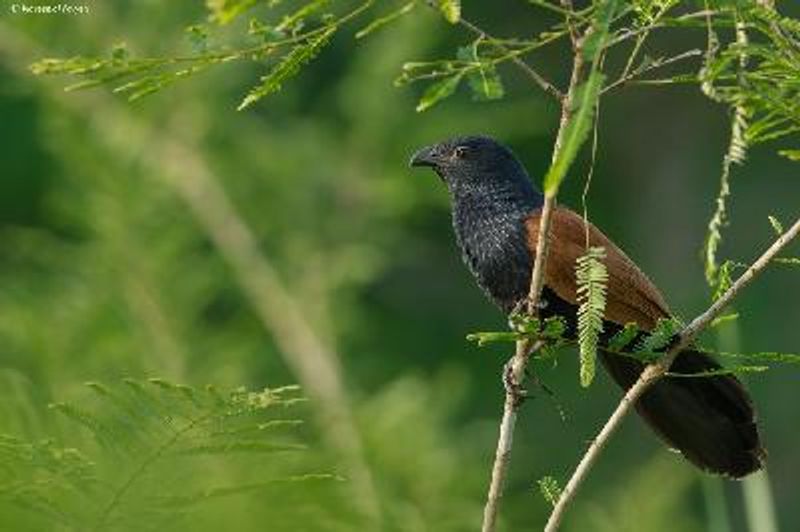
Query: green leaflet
{"points": [[660, 337], [384, 20], [483, 338], [576, 131], [592, 279], [484, 81], [451, 9], [595, 41], [584, 101], [792, 155], [439, 91], [288, 67], [764, 356], [733, 370], [550, 490], [524, 327], [777, 226], [224, 11], [623, 338]]}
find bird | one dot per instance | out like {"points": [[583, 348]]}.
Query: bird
{"points": [[496, 210]]}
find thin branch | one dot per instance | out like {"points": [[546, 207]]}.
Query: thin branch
{"points": [[573, 30], [643, 69], [537, 78], [654, 372], [515, 368], [640, 40], [625, 35]]}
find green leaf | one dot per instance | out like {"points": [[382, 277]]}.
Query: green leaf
{"points": [[294, 22], [595, 41], [576, 131], [764, 356], [623, 338], [734, 370], [265, 32], [554, 328], [224, 11], [548, 486], [660, 337], [288, 67], [451, 9], [592, 280], [386, 19], [439, 91], [725, 318], [522, 322], [776, 225], [792, 155], [724, 278], [483, 338], [485, 83]]}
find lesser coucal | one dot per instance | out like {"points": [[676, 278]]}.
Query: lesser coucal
{"points": [[496, 212]]}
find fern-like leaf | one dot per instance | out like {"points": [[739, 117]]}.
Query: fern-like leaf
{"points": [[550, 490], [153, 439], [288, 67], [660, 338], [592, 279]]}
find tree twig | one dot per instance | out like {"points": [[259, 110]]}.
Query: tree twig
{"points": [[654, 372], [643, 69], [515, 369], [574, 36], [537, 78]]}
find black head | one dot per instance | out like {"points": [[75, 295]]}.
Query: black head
{"points": [[492, 196], [475, 163]]}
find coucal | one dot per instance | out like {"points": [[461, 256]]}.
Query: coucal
{"points": [[496, 211]]}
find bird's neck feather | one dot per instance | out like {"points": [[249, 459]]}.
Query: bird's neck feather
{"points": [[489, 221]]}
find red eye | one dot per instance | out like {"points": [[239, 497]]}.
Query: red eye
{"points": [[461, 151]]}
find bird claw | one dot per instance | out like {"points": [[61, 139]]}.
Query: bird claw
{"points": [[512, 387]]}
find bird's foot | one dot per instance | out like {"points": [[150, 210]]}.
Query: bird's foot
{"points": [[513, 387]]}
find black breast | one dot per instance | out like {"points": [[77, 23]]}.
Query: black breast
{"points": [[494, 246]]}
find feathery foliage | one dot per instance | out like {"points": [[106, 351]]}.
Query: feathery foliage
{"points": [[304, 32], [152, 440], [660, 338], [289, 66], [550, 490], [592, 282], [451, 9]]}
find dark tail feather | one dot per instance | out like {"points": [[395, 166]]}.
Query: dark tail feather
{"points": [[710, 420]]}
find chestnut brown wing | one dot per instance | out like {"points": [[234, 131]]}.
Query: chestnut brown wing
{"points": [[631, 296]]}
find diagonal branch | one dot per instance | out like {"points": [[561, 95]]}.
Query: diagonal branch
{"points": [[654, 372]]}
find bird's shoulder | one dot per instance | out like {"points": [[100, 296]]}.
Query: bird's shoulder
{"points": [[631, 296]]}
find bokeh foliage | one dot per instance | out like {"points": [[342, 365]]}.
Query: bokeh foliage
{"points": [[106, 274]]}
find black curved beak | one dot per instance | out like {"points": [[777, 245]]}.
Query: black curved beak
{"points": [[424, 157]]}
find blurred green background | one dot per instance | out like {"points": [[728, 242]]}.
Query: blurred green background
{"points": [[109, 269]]}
